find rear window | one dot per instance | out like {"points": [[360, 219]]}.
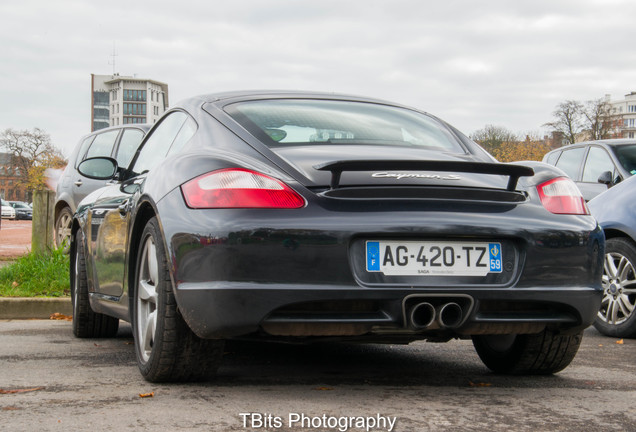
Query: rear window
{"points": [[289, 122], [626, 155]]}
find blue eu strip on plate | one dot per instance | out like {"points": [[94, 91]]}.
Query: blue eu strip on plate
{"points": [[373, 256]]}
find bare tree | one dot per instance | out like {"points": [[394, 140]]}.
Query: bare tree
{"points": [[568, 121], [30, 151], [597, 118]]}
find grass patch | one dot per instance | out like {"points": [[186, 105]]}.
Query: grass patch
{"points": [[37, 275]]}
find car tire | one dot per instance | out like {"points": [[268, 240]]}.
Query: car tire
{"points": [[63, 226], [86, 322], [617, 315], [527, 354], [166, 349]]}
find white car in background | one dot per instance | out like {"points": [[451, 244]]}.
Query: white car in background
{"points": [[8, 212]]}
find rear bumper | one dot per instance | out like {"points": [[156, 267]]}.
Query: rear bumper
{"points": [[301, 272], [225, 310]]}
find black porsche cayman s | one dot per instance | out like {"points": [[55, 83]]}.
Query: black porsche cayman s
{"points": [[305, 216]]}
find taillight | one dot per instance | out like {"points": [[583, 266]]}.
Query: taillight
{"points": [[239, 188], [561, 196]]}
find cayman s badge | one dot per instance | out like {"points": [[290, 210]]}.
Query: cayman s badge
{"points": [[399, 176]]}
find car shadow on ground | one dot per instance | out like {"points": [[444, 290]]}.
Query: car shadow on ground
{"points": [[326, 364], [272, 363]]}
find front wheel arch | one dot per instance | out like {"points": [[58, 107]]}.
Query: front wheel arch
{"points": [[63, 216], [86, 322]]}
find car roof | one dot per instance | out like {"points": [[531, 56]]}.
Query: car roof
{"points": [[245, 95], [143, 126], [616, 142]]}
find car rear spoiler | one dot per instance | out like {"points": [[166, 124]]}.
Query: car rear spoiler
{"points": [[514, 172]]}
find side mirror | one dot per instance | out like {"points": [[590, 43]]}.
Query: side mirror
{"points": [[606, 178], [98, 168]]}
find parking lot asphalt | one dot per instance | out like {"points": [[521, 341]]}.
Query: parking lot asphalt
{"points": [[52, 381], [15, 238]]}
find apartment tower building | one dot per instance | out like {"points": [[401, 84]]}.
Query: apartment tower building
{"points": [[623, 114], [117, 100]]}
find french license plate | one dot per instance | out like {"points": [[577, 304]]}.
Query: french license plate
{"points": [[415, 258]]}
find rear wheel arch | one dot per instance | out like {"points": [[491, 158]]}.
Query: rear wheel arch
{"points": [[166, 348], [61, 204], [144, 214], [63, 215], [86, 322]]}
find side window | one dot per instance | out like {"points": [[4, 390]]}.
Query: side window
{"points": [[103, 144], [552, 158], [187, 131], [82, 150], [598, 162], [156, 146], [570, 162], [128, 145]]}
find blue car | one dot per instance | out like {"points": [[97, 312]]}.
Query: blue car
{"points": [[615, 211]]}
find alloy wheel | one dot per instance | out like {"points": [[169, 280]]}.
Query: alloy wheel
{"points": [[63, 230], [619, 286], [146, 302]]}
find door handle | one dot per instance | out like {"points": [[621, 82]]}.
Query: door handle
{"points": [[78, 183]]}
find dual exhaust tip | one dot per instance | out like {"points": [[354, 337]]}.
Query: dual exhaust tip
{"points": [[424, 315]]}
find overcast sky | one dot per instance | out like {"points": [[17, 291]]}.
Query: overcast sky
{"points": [[472, 63]]}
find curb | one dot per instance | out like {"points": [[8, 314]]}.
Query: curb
{"points": [[33, 308]]}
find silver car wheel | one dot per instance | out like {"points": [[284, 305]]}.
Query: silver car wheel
{"points": [[63, 227], [146, 302], [619, 289]]}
